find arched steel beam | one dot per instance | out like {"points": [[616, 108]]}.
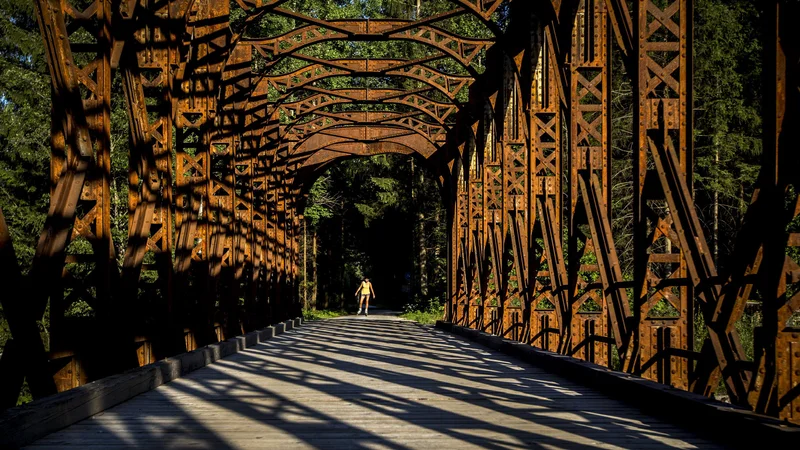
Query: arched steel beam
{"points": [[352, 140], [311, 166], [334, 151], [461, 49], [300, 79], [307, 171], [337, 138], [481, 9], [259, 125], [322, 98], [301, 122], [425, 72], [287, 84], [328, 120]]}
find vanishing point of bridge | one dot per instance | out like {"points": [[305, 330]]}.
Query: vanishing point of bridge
{"points": [[234, 110]]}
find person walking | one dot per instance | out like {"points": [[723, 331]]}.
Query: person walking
{"points": [[363, 292]]}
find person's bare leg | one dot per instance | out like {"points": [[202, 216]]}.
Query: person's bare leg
{"points": [[367, 308]]}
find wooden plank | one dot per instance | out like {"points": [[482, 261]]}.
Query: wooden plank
{"points": [[731, 425], [372, 382], [25, 424]]}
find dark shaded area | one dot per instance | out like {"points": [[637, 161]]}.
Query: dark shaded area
{"points": [[374, 217]]}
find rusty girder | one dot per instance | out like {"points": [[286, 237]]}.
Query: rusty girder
{"points": [[461, 49], [222, 157], [301, 131], [339, 137], [672, 262], [286, 84], [439, 112]]}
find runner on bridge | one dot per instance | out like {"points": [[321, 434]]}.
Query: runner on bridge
{"points": [[363, 293]]}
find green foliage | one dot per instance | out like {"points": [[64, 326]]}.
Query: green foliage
{"points": [[372, 216], [727, 82], [423, 303], [426, 317], [320, 204], [425, 310], [24, 134], [314, 314]]}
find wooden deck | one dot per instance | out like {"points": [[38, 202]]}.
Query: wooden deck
{"points": [[372, 383]]}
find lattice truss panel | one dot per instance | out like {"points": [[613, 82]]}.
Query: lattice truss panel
{"points": [[533, 257], [235, 107]]}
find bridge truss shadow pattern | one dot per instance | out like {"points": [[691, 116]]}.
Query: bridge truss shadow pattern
{"points": [[227, 137], [375, 383]]}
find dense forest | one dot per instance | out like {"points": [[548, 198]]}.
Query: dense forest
{"points": [[383, 216], [380, 218]]}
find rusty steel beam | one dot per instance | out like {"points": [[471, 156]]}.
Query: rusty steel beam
{"points": [[461, 49], [359, 140], [145, 65], [196, 215], [300, 132], [481, 9], [589, 141], [545, 118], [79, 175], [449, 85], [321, 98], [774, 388], [661, 272]]}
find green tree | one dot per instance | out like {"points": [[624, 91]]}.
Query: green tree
{"points": [[727, 89]]}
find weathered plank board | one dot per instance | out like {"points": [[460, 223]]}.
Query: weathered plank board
{"points": [[374, 382], [27, 423]]}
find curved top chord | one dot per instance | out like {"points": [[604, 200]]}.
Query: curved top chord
{"points": [[462, 49], [286, 84], [329, 120], [439, 112]]}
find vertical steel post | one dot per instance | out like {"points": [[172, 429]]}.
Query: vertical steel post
{"points": [[663, 292]]}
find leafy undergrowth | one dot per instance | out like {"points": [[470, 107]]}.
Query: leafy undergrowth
{"points": [[317, 314], [427, 316]]}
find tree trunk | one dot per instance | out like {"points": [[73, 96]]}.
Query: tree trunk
{"points": [[716, 213], [423, 249], [314, 268], [423, 255], [340, 260], [304, 281]]}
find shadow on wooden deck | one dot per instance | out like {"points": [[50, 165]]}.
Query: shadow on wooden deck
{"points": [[375, 382]]}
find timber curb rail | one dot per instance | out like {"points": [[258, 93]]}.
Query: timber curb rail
{"points": [[24, 424], [732, 425]]}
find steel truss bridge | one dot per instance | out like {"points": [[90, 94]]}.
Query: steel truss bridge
{"points": [[229, 130]]}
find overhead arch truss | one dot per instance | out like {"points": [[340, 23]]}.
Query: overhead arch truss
{"points": [[221, 160], [461, 49]]}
